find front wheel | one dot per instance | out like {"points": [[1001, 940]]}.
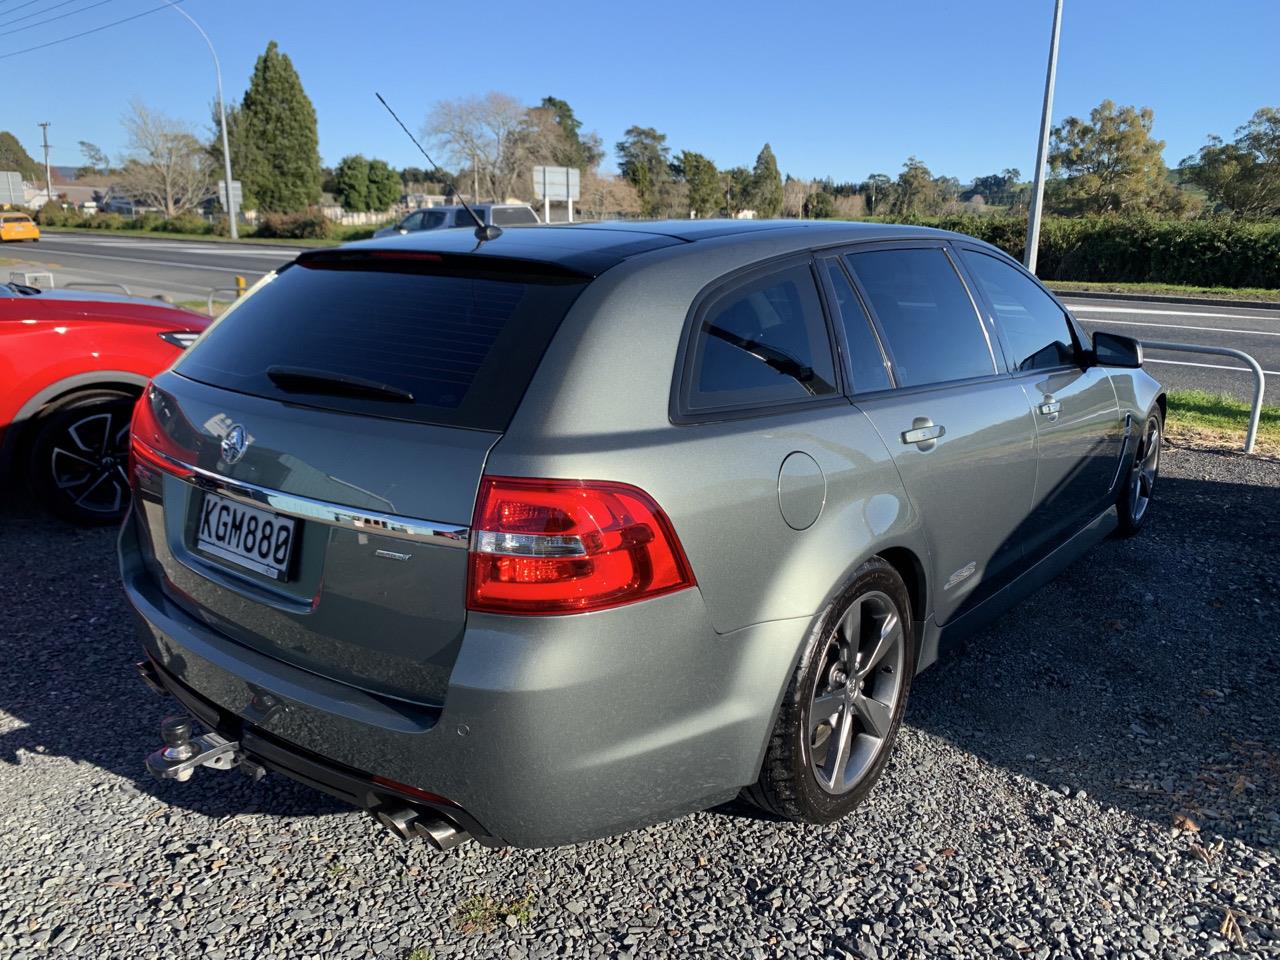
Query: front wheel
{"points": [[1134, 502], [844, 705], [79, 458]]}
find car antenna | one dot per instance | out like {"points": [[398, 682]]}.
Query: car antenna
{"points": [[483, 232]]}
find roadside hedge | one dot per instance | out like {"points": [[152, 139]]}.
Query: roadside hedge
{"points": [[1215, 252]]}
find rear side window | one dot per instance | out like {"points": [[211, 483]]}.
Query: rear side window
{"points": [[464, 219], [761, 343], [509, 216], [930, 326], [865, 358], [1034, 326], [464, 347]]}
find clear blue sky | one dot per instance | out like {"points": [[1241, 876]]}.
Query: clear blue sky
{"points": [[840, 89]]}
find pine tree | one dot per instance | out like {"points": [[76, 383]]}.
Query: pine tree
{"points": [[766, 185], [276, 154], [13, 157], [351, 182]]}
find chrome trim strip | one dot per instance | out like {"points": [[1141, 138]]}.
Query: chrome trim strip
{"points": [[413, 529]]}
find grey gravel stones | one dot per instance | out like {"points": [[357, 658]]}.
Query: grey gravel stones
{"points": [[1028, 810]]}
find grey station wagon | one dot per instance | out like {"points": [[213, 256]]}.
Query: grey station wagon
{"points": [[583, 528]]}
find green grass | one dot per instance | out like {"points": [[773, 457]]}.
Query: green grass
{"points": [[1209, 413], [482, 914], [420, 953], [1256, 294]]}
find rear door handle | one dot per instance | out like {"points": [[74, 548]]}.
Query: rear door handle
{"points": [[924, 433], [1050, 409]]}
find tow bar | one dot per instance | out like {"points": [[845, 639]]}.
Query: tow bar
{"points": [[182, 753]]}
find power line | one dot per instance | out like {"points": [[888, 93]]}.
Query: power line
{"points": [[37, 13], [85, 33], [21, 5], [61, 16]]}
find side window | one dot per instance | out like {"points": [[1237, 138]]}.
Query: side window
{"points": [[1035, 327], [412, 222], [508, 216], [463, 219], [864, 350], [930, 326], [763, 342]]}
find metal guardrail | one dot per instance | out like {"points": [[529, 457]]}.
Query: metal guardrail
{"points": [[214, 291], [91, 285], [1260, 378]]}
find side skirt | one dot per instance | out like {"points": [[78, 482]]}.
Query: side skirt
{"points": [[937, 639]]}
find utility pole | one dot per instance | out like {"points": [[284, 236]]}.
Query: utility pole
{"points": [[229, 200], [1037, 191], [48, 173]]}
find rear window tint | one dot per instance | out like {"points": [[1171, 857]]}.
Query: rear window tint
{"points": [[762, 343], [464, 347], [930, 325]]}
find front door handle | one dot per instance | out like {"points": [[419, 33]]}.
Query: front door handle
{"points": [[1050, 408], [924, 433]]}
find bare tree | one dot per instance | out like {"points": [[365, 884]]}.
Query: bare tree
{"points": [[492, 136], [167, 166], [795, 193], [607, 198]]}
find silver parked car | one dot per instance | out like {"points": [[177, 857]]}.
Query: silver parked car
{"points": [[584, 528], [444, 217]]}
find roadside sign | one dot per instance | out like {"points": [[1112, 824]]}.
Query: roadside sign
{"points": [[556, 183], [237, 194], [11, 191]]}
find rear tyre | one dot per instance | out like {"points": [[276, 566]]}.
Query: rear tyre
{"points": [[1134, 502], [844, 705], [79, 458]]}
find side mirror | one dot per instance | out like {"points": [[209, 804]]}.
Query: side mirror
{"points": [[1113, 350], [401, 230]]}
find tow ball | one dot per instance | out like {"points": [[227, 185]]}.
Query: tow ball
{"points": [[183, 753]]}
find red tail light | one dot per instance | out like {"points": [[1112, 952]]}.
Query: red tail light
{"points": [[150, 448], [569, 546]]}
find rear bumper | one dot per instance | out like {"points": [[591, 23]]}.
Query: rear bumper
{"points": [[554, 730]]}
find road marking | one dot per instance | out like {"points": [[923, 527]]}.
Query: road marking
{"points": [[1174, 313], [1179, 326], [158, 263], [1210, 366]]}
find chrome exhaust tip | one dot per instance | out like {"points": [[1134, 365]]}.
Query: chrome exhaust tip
{"points": [[409, 824]]}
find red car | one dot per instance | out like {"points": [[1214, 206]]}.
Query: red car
{"points": [[71, 366]]}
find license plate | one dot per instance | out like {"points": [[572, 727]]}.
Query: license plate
{"points": [[246, 536]]}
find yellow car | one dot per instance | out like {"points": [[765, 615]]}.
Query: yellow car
{"points": [[18, 226]]}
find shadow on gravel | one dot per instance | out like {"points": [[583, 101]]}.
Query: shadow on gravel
{"points": [[67, 649], [1147, 675]]}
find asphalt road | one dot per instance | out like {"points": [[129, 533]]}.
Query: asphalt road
{"points": [[180, 269], [1255, 331], [186, 270]]}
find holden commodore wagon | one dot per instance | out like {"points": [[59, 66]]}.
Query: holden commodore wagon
{"points": [[579, 529]]}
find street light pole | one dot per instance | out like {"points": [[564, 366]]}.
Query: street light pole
{"points": [[48, 171], [1037, 192], [229, 200]]}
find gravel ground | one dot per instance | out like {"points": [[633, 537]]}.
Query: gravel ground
{"points": [[1031, 808]]}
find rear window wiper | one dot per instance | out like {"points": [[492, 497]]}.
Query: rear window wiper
{"points": [[308, 380], [774, 359]]}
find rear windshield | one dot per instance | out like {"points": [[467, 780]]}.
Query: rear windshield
{"points": [[463, 346]]}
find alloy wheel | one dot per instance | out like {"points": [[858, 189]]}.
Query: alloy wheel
{"points": [[88, 460], [1146, 464], [856, 692]]}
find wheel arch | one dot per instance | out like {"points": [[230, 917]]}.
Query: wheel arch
{"points": [[911, 569], [57, 393]]}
